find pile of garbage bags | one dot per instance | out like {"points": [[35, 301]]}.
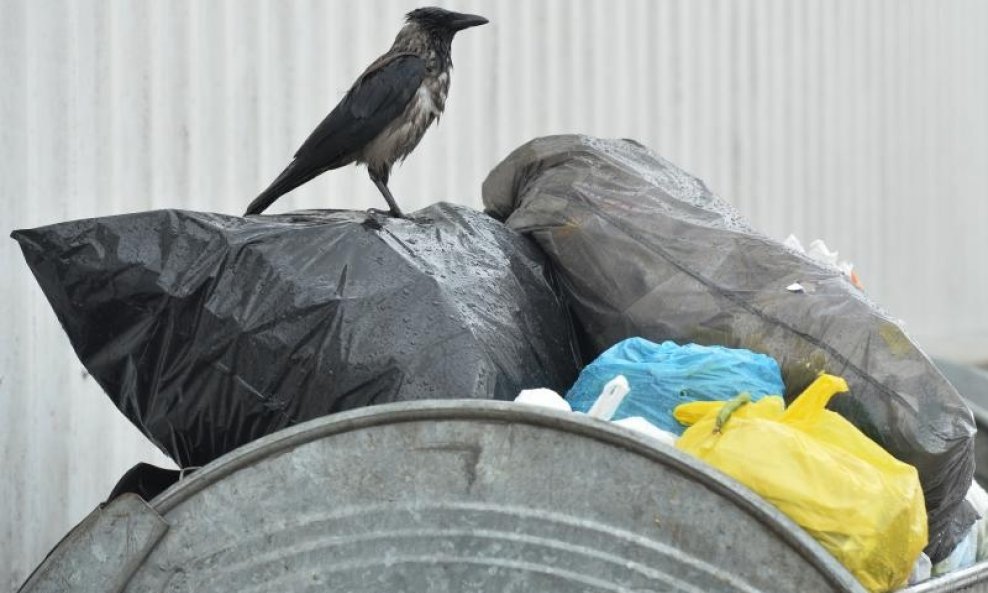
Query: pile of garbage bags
{"points": [[863, 505], [599, 271], [643, 249]]}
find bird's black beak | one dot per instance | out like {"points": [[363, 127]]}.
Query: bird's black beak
{"points": [[460, 21]]}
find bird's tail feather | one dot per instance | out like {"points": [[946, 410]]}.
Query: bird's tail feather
{"points": [[288, 180]]}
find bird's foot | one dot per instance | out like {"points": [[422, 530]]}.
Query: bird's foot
{"points": [[391, 213], [373, 221]]}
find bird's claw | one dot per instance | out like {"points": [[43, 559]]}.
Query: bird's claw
{"points": [[390, 213]]}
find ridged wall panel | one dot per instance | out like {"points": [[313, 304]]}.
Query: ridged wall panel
{"points": [[864, 122]]}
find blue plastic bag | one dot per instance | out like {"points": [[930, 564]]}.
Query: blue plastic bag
{"points": [[662, 376]]}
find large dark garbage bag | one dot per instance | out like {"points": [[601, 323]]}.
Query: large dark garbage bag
{"points": [[972, 383], [644, 249], [208, 331], [146, 481]]}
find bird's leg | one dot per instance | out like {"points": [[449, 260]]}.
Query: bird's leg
{"points": [[382, 185]]}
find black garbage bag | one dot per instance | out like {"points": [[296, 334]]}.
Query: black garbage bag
{"points": [[208, 331], [972, 383], [145, 480], [642, 248]]}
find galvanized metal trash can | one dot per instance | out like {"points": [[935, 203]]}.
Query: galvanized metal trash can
{"points": [[445, 496]]}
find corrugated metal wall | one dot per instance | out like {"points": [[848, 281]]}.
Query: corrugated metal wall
{"points": [[864, 122]]}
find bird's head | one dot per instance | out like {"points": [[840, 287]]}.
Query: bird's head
{"points": [[441, 22]]}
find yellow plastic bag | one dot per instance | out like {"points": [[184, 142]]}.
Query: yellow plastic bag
{"points": [[862, 504]]}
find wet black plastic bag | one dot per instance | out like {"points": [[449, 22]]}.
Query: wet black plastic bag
{"points": [[643, 249], [208, 331]]}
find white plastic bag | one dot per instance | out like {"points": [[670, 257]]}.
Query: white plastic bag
{"points": [[544, 398], [608, 401], [639, 424], [979, 500], [963, 556], [921, 570]]}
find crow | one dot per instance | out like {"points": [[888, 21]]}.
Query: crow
{"points": [[386, 112]]}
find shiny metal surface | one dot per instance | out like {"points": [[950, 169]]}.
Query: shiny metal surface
{"points": [[102, 551], [472, 496]]}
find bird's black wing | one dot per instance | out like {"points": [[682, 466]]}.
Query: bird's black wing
{"points": [[378, 97]]}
